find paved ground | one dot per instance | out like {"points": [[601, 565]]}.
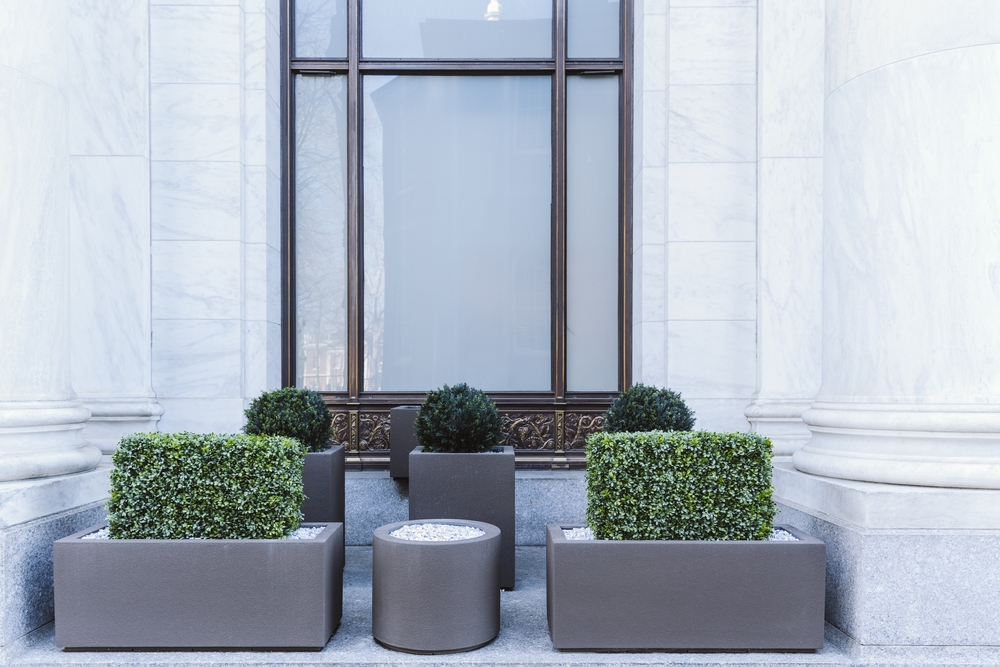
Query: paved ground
{"points": [[523, 640]]}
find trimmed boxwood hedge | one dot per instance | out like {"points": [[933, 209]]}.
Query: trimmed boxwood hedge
{"points": [[646, 408], [211, 486], [294, 413], [458, 419], [679, 485]]}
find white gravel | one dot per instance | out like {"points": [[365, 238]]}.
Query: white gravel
{"points": [[436, 532], [777, 535], [302, 533]]}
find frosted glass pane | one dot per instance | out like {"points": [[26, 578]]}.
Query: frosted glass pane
{"points": [[320, 28], [592, 233], [456, 29], [592, 29], [457, 229], [321, 232]]}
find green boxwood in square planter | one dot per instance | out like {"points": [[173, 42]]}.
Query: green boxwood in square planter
{"points": [[196, 555], [681, 555]]}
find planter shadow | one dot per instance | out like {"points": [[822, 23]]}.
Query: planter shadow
{"points": [[323, 484]]}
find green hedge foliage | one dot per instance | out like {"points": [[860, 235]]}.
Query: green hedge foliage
{"points": [[293, 413], [679, 485], [642, 408], [191, 485], [458, 419]]}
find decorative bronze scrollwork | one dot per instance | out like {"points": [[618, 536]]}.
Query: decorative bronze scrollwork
{"points": [[579, 426], [529, 430], [374, 432], [342, 429]]}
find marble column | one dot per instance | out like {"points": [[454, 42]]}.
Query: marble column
{"points": [[789, 218], [911, 280], [40, 416]]}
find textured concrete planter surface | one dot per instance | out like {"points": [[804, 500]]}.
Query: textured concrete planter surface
{"points": [[114, 594], [402, 439], [436, 597], [677, 595], [323, 482], [477, 487]]}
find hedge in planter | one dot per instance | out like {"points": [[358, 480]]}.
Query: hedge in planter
{"points": [[679, 486], [302, 414], [185, 485]]}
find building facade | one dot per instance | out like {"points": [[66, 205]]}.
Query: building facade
{"points": [[808, 236]]}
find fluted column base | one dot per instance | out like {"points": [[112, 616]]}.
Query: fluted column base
{"points": [[43, 439], [781, 421], [113, 417], [918, 444]]}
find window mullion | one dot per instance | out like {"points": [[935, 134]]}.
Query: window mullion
{"points": [[354, 242], [559, 207]]}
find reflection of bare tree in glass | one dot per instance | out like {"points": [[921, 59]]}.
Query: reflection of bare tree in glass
{"points": [[320, 232], [374, 240], [321, 28]]}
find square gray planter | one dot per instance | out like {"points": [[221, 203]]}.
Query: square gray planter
{"points": [[685, 595], [208, 594], [402, 439], [477, 487], [323, 483]]}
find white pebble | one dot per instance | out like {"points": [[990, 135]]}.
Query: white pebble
{"points": [[302, 533], [101, 534], [436, 532], [781, 535], [777, 535]]}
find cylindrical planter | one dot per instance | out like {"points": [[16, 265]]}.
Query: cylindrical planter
{"points": [[436, 597]]}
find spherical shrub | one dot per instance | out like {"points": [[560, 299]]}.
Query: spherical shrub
{"points": [[458, 419], [293, 413], [641, 408]]}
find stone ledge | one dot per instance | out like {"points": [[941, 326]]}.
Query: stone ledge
{"points": [[869, 505], [26, 500]]}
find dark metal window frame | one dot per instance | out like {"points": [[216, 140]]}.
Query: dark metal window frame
{"points": [[557, 419]]}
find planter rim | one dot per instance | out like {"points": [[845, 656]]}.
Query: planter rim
{"points": [[489, 531], [329, 449], [507, 449], [324, 535], [557, 536]]}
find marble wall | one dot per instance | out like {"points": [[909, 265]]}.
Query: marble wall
{"points": [[695, 209], [215, 150]]}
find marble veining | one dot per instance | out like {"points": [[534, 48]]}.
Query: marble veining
{"points": [[196, 359], [654, 128], [196, 279], [713, 123], [201, 415], [712, 359], [109, 262], [195, 201], [712, 280], [652, 215], [195, 122], [718, 414], [194, 44], [713, 45], [713, 202]]}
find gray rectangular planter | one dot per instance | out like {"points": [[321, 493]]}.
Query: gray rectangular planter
{"points": [[477, 487], [209, 594], [323, 483], [402, 439], [684, 595]]}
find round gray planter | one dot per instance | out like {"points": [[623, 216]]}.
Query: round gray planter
{"points": [[436, 597]]}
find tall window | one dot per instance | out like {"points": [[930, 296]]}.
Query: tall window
{"points": [[457, 186]]}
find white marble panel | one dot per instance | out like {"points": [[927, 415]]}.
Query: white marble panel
{"points": [[219, 3], [262, 129], [712, 201], [255, 204], [714, 3], [108, 88], [713, 45], [262, 359], [194, 44], [712, 359], [712, 280], [652, 265], [654, 128], [195, 122], [653, 345], [274, 208], [255, 69], [790, 254], [713, 123], [654, 52], [638, 136], [109, 265], [36, 39], [790, 96], [271, 8], [651, 215], [653, 7], [273, 61], [718, 414], [196, 201], [262, 282], [196, 279], [862, 35], [201, 415], [196, 359]]}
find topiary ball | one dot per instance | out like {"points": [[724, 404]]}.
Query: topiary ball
{"points": [[293, 413], [458, 419], [640, 408]]}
